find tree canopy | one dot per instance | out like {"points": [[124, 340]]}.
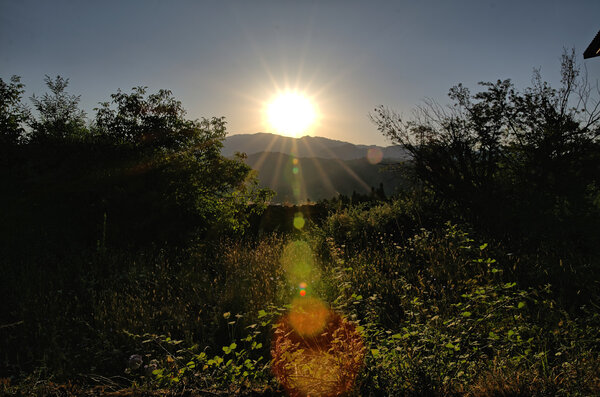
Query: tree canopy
{"points": [[59, 116], [520, 162], [141, 172], [13, 114], [155, 120]]}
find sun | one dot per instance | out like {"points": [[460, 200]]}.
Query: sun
{"points": [[291, 114]]}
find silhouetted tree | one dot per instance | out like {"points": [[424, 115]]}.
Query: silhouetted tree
{"points": [[518, 161], [156, 120], [181, 159], [59, 117], [144, 174], [13, 114]]}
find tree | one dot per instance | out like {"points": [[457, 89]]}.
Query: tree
{"points": [[59, 117], [13, 114], [156, 120], [177, 178], [143, 174], [508, 160]]}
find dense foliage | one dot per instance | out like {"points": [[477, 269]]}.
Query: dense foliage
{"points": [[525, 165], [141, 173]]}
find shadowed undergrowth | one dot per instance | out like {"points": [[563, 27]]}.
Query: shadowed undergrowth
{"points": [[437, 313]]}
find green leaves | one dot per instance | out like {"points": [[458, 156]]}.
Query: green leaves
{"points": [[230, 348]]}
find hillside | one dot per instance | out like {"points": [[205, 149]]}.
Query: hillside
{"points": [[307, 146], [326, 167], [319, 178]]}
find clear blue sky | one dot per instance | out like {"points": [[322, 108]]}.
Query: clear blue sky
{"points": [[226, 58]]}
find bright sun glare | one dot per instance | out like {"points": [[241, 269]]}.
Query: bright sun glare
{"points": [[291, 114]]}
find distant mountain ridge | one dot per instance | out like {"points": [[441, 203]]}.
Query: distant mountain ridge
{"points": [[296, 180], [315, 168], [307, 146]]}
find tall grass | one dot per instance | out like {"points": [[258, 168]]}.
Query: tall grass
{"points": [[439, 313]]}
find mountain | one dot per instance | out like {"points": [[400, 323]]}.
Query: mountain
{"points": [[295, 180], [316, 168], [307, 146]]}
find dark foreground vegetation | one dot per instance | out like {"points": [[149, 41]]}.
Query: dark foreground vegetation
{"points": [[136, 260]]}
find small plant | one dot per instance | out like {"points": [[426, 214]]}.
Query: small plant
{"points": [[242, 364]]}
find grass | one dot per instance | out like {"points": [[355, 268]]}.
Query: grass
{"points": [[437, 313]]}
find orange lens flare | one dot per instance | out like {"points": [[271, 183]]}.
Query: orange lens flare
{"points": [[316, 352], [308, 316], [302, 289]]}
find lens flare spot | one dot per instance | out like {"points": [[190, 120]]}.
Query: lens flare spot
{"points": [[324, 363], [299, 221], [308, 316], [298, 262], [374, 155], [301, 269]]}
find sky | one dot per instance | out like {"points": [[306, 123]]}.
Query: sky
{"points": [[231, 58]]}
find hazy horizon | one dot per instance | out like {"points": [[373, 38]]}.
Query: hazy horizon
{"points": [[313, 136]]}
